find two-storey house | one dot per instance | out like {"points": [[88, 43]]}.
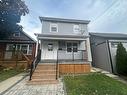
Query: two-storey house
{"points": [[65, 42]]}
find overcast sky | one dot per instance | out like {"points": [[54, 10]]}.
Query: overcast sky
{"points": [[105, 15]]}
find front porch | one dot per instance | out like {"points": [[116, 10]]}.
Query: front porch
{"points": [[60, 56]]}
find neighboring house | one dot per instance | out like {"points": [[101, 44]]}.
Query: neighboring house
{"points": [[18, 49], [103, 47]]}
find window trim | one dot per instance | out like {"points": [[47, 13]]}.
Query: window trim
{"points": [[72, 46], [53, 24], [78, 27], [15, 34], [28, 45]]}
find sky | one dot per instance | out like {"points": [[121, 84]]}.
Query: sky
{"points": [[105, 15]]}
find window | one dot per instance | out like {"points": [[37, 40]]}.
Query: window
{"points": [[75, 47], [17, 34], [50, 47], [18, 47], [114, 44], [69, 47], [72, 47], [76, 28], [53, 28], [10, 47], [24, 49], [30, 49]]}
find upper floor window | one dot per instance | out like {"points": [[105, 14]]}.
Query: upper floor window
{"points": [[76, 28], [17, 34], [53, 27]]}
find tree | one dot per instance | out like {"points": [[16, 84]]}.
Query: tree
{"points": [[10, 15], [121, 60]]}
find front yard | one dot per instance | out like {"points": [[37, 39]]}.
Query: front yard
{"points": [[94, 84], [5, 74]]}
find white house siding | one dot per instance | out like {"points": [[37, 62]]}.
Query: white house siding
{"points": [[64, 28], [45, 55], [63, 54]]}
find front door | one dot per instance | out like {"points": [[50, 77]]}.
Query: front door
{"points": [[49, 50]]}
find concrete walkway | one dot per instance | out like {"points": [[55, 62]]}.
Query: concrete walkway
{"points": [[22, 88], [4, 85], [109, 74]]}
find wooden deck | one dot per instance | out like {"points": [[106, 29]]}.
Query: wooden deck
{"points": [[74, 68]]}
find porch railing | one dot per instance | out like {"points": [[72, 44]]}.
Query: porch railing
{"points": [[11, 55], [35, 63], [78, 55]]}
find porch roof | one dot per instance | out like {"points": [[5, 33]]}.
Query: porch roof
{"points": [[61, 37], [16, 41]]}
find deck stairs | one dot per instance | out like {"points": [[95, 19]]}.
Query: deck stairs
{"points": [[45, 73]]}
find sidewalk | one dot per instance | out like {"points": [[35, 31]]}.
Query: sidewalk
{"points": [[109, 74], [5, 85], [22, 88], [17, 85]]}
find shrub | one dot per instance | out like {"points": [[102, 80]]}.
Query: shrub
{"points": [[121, 60]]}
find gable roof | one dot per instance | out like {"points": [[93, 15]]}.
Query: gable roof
{"points": [[23, 38], [29, 36], [64, 20], [110, 35]]}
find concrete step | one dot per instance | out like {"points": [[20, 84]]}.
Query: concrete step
{"points": [[42, 82], [45, 68], [45, 72], [49, 76]]}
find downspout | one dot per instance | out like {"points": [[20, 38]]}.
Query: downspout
{"points": [[37, 43], [110, 57]]}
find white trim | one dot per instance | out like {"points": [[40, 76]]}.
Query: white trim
{"points": [[55, 25], [72, 45], [58, 38], [28, 45], [76, 26]]}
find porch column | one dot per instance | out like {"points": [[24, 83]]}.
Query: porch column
{"points": [[89, 50], [37, 48]]}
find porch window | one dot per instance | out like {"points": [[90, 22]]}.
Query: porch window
{"points": [[72, 47], [69, 47], [75, 47], [10, 47], [24, 49], [30, 49], [50, 47], [53, 27]]}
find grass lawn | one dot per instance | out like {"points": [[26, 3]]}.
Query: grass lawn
{"points": [[7, 74], [94, 84]]}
